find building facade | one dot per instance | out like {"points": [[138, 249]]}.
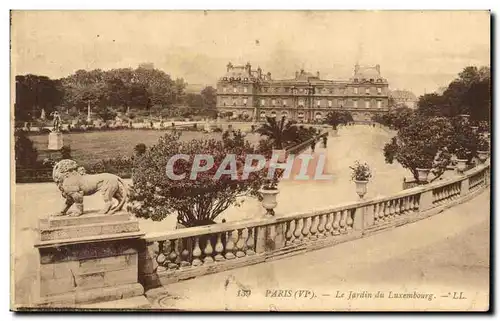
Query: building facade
{"points": [[252, 94]]}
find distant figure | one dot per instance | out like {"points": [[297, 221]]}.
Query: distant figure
{"points": [[313, 145], [151, 123], [325, 139]]}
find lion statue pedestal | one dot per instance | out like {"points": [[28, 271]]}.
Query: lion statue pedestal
{"points": [[89, 260]]}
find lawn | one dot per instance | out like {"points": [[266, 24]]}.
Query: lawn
{"points": [[90, 147]]}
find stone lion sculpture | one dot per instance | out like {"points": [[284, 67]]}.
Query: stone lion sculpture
{"points": [[74, 184]]}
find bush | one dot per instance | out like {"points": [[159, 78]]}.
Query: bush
{"points": [[196, 202], [25, 152], [422, 144]]}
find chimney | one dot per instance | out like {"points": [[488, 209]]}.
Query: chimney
{"points": [[269, 75], [377, 67], [259, 71], [317, 74], [296, 75], [249, 68], [229, 66], [301, 71]]}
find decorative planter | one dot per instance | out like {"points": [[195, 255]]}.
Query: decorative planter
{"points": [[483, 155], [269, 200], [423, 174], [461, 165], [361, 188]]}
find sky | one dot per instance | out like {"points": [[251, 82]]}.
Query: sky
{"points": [[416, 50]]}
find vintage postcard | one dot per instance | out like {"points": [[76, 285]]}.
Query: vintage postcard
{"points": [[250, 160]]}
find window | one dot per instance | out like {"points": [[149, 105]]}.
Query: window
{"points": [[284, 102], [355, 79], [355, 90], [244, 101], [301, 103], [224, 89], [318, 103], [355, 103], [379, 90], [329, 103], [367, 104], [379, 104], [341, 103], [262, 102], [367, 91], [245, 89], [235, 89], [273, 102]]}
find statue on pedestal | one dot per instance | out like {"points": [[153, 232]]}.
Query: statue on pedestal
{"points": [[74, 184], [56, 122]]}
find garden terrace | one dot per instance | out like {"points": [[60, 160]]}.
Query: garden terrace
{"points": [[185, 253]]}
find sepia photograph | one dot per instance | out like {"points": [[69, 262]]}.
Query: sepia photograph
{"points": [[259, 160]]}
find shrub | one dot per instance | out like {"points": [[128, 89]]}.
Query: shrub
{"points": [[195, 202], [422, 144], [25, 152], [66, 152]]}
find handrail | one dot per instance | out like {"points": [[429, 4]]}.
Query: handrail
{"points": [[263, 221]]}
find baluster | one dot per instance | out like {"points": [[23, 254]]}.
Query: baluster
{"points": [[297, 233], [250, 242], [290, 228], [161, 258], [230, 246], [328, 225], [196, 252], [336, 224], [219, 248], [208, 250], [416, 202], [321, 226], [406, 204], [314, 228], [185, 252], [240, 244], [411, 200], [173, 255], [375, 212], [397, 207], [387, 210], [305, 228], [350, 219], [392, 206], [343, 222]]}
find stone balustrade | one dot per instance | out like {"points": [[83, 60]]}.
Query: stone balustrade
{"points": [[181, 254]]}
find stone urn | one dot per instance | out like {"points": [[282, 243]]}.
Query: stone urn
{"points": [[269, 201], [483, 155], [423, 174], [461, 165], [361, 188]]}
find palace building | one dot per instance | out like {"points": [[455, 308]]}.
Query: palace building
{"points": [[253, 94]]}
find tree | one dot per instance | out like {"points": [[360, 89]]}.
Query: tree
{"points": [[281, 132], [336, 118], [422, 144], [25, 152], [470, 93], [464, 142], [209, 97], [199, 201], [34, 93], [106, 113], [194, 100]]}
